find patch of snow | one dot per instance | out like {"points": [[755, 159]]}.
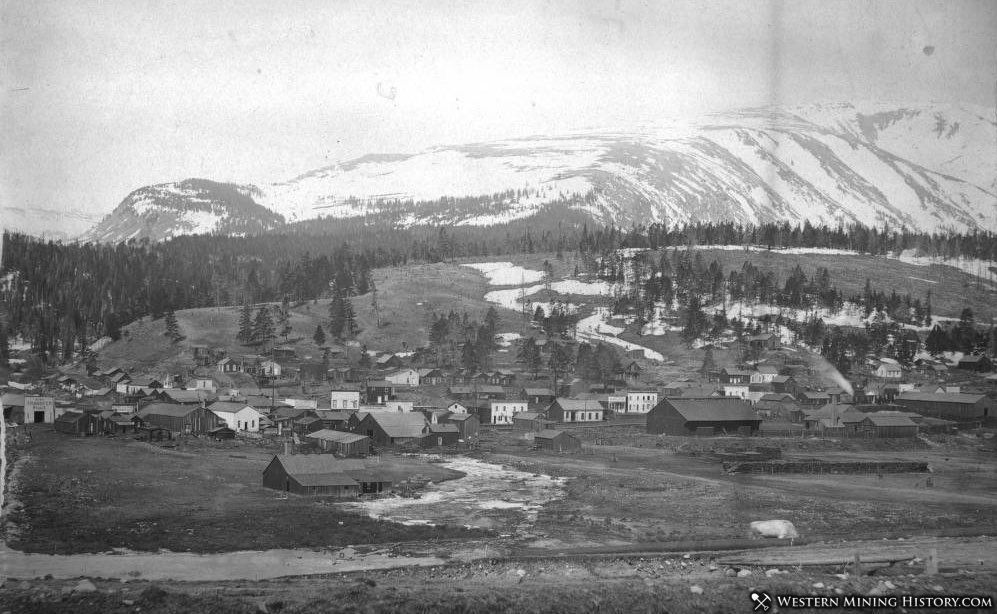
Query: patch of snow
{"points": [[506, 273]]}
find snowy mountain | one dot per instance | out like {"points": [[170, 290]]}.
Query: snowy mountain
{"points": [[926, 167], [192, 206]]}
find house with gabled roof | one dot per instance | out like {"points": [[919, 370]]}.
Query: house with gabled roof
{"points": [[179, 418], [239, 417], [392, 429]]}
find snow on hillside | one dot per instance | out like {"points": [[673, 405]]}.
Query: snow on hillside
{"points": [[506, 273], [924, 167], [594, 329]]}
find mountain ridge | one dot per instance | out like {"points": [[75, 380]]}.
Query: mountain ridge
{"points": [[926, 168]]}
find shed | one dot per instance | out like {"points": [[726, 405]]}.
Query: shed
{"points": [[468, 425], [974, 362], [556, 441], [530, 421], [77, 423], [441, 435], [682, 416], [888, 425]]}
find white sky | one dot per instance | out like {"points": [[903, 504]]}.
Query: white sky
{"points": [[100, 98]]}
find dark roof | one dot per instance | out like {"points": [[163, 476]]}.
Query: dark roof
{"points": [[166, 409], [443, 428], [539, 392], [889, 419], [12, 399], [330, 414], [70, 416], [324, 479], [462, 417], [526, 415], [713, 409], [942, 397], [548, 434], [380, 383]]}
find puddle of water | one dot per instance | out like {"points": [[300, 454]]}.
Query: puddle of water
{"points": [[489, 497]]}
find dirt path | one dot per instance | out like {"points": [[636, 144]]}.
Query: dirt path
{"points": [[197, 567]]}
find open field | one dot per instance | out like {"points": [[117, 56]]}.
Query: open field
{"points": [[636, 492], [95, 494]]}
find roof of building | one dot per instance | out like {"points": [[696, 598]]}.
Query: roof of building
{"points": [[70, 416], [332, 414], [713, 409], [380, 383], [578, 404], [548, 434], [942, 397], [443, 428], [538, 392], [973, 358], [336, 436], [188, 396], [401, 424], [889, 419], [463, 417], [526, 415], [166, 409], [12, 399], [229, 407]]}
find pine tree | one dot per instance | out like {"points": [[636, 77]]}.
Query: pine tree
{"points": [[492, 320], [350, 327], [337, 316], [263, 330], [245, 324], [469, 357], [529, 355], [319, 336], [558, 363], [172, 326]]}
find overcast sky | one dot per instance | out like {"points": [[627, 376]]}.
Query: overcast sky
{"points": [[100, 98]]}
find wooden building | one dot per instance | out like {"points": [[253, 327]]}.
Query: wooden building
{"points": [[537, 396], [959, 407], [556, 441], [709, 416], [575, 410], [468, 425], [393, 429], [888, 425], [441, 435], [341, 443], [973, 362], [323, 475], [78, 423], [188, 419]]}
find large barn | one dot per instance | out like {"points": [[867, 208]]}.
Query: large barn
{"points": [[959, 407], [708, 416]]}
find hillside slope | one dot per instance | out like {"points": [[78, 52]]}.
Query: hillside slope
{"points": [[192, 206]]}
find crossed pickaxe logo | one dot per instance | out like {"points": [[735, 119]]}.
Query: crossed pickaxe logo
{"points": [[762, 601]]}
